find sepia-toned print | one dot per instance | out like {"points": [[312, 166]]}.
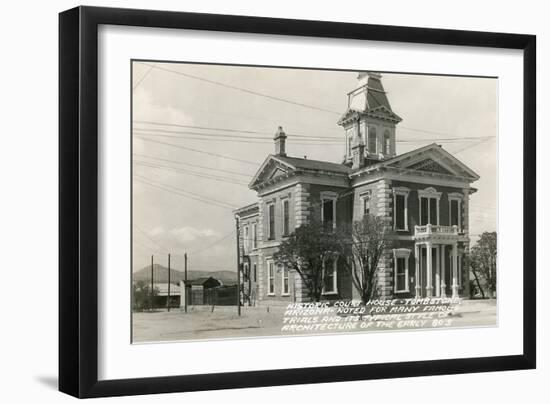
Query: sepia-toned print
{"points": [[274, 201]]}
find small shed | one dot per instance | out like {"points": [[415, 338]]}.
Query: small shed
{"points": [[198, 291], [161, 297]]}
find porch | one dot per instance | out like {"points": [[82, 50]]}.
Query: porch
{"points": [[438, 261]]}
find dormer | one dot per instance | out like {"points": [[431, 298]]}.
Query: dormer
{"points": [[370, 120]]}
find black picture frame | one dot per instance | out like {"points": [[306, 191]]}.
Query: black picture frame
{"points": [[78, 200]]}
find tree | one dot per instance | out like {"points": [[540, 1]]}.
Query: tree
{"points": [[363, 243], [483, 261], [142, 295], [305, 252]]}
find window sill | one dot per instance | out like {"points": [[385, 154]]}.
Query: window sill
{"points": [[271, 294], [329, 293], [401, 291], [402, 230], [285, 294]]}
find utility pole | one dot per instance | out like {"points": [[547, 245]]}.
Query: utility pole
{"points": [[152, 284], [238, 268], [185, 281], [168, 301]]}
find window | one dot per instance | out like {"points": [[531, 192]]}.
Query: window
{"points": [[365, 198], [429, 206], [270, 278], [254, 236], [328, 214], [285, 217], [400, 274], [285, 286], [366, 204], [423, 211], [433, 211], [329, 275], [328, 210], [400, 202], [349, 141], [455, 201], [387, 142], [454, 213], [401, 269], [271, 221], [245, 240], [400, 212], [255, 273], [246, 273], [372, 140]]}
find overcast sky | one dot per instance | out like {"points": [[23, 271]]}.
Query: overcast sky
{"points": [[179, 206]]}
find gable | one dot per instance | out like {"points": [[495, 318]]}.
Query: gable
{"points": [[276, 172], [432, 158], [270, 169], [431, 166]]}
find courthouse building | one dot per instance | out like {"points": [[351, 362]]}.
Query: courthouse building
{"points": [[423, 193]]}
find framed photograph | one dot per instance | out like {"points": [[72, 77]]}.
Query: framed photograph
{"points": [[251, 201]]}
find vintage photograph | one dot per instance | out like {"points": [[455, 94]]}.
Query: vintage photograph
{"points": [[281, 202]]}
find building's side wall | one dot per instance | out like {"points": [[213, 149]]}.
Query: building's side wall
{"points": [[276, 199], [344, 202], [297, 197], [248, 255], [305, 205]]}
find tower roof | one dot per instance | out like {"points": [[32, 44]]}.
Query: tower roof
{"points": [[369, 98], [369, 93]]}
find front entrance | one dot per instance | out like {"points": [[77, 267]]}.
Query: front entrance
{"points": [[435, 270]]}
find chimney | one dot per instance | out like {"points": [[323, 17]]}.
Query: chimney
{"points": [[280, 140], [358, 155]]}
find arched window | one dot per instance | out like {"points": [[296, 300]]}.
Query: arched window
{"points": [[372, 140], [349, 141], [387, 142]]}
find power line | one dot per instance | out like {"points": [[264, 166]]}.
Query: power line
{"points": [[143, 77], [258, 140], [192, 165], [244, 90], [213, 244], [206, 134], [471, 145], [146, 246], [280, 99], [305, 137], [218, 138], [184, 193], [202, 127], [150, 238], [199, 151], [193, 173]]}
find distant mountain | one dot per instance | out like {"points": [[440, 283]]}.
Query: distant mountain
{"points": [[160, 274]]}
